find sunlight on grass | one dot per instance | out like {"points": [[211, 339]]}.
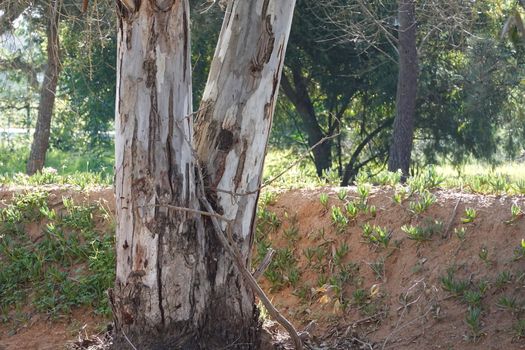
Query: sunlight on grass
{"points": [[283, 169]]}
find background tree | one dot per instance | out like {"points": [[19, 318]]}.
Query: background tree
{"points": [[403, 133], [327, 85], [48, 91]]}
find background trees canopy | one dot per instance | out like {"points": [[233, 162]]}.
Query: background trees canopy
{"points": [[339, 80]]}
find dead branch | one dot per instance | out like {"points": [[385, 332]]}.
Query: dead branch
{"points": [[264, 264], [229, 245]]}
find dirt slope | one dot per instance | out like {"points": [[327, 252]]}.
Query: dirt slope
{"points": [[404, 305], [411, 309]]}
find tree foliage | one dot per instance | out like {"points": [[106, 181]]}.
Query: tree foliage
{"points": [[339, 81]]}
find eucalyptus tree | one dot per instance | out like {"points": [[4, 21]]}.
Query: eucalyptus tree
{"points": [[178, 284]]}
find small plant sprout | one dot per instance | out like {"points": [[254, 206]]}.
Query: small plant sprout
{"points": [[470, 215], [484, 255], [516, 213], [367, 229], [359, 296], [309, 254], [291, 233], [520, 251], [473, 298], [423, 233], [398, 197], [507, 303], [460, 233], [339, 220], [340, 253], [320, 253], [503, 278], [268, 198], [351, 210], [519, 328], [426, 199], [323, 198], [473, 320], [363, 191], [372, 210], [376, 235], [450, 284], [342, 194], [378, 267]]}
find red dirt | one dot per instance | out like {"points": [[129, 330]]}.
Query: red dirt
{"points": [[39, 333], [411, 310], [434, 319]]}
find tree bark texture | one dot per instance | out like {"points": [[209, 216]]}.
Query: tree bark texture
{"points": [[403, 131], [159, 252], [176, 288], [232, 130], [46, 104]]}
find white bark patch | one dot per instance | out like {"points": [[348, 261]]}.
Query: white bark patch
{"points": [[247, 68], [153, 164]]}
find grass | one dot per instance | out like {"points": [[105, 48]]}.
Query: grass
{"points": [[70, 240], [68, 264], [96, 167], [76, 168]]}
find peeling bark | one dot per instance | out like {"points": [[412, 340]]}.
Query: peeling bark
{"points": [[175, 286], [232, 130], [159, 250]]}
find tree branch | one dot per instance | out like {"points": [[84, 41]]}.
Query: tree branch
{"points": [[12, 10], [350, 167], [20, 65]]}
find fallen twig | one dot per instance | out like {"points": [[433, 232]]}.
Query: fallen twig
{"points": [[189, 210]]}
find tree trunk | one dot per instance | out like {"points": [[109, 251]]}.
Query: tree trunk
{"points": [[47, 94], [303, 104], [231, 135], [176, 288], [403, 134]]}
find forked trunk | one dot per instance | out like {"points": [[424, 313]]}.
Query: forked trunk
{"points": [[46, 104], [176, 288], [403, 135]]}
